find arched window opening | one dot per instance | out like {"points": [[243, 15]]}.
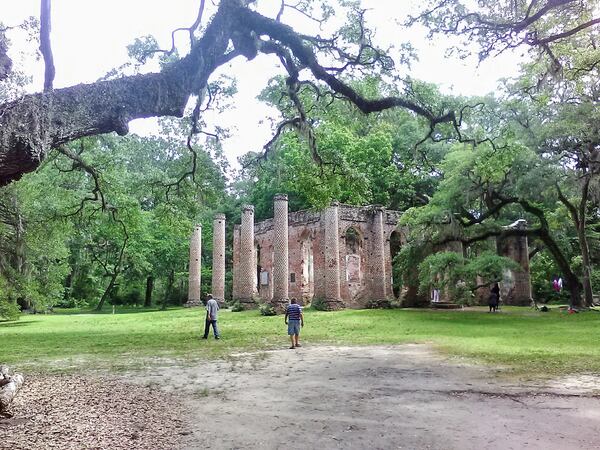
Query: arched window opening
{"points": [[353, 256]]}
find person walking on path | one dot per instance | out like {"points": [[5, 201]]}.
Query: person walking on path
{"points": [[212, 310], [294, 319]]}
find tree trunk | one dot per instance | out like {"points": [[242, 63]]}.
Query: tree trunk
{"points": [[111, 285], [35, 123], [588, 294], [169, 290], [571, 279], [572, 282], [149, 288]]}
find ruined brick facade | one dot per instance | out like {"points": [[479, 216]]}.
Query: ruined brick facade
{"points": [[516, 285], [341, 255]]}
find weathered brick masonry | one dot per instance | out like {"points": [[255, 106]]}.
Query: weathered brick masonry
{"points": [[341, 256]]}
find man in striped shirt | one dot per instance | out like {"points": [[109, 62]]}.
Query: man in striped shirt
{"points": [[294, 319]]}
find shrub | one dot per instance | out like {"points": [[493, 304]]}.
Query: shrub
{"points": [[236, 306], [8, 310], [319, 304], [267, 310], [379, 304]]}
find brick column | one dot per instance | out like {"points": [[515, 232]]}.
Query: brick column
{"points": [[236, 262], [518, 290], [194, 267], [377, 258], [247, 267], [332, 258], [280, 252], [218, 269]]}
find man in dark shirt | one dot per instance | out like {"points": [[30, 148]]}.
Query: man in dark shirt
{"points": [[294, 319], [212, 310]]}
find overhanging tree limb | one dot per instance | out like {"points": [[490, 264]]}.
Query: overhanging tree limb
{"points": [[33, 124]]}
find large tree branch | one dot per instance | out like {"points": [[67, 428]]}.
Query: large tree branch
{"points": [[570, 207], [289, 38], [33, 124]]}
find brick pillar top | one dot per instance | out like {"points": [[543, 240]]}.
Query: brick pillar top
{"points": [[248, 208], [219, 216], [280, 197]]}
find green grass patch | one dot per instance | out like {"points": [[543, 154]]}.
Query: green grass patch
{"points": [[518, 338]]}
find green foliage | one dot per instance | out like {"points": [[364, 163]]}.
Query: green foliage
{"points": [[9, 310], [266, 309], [543, 270], [319, 304], [451, 272], [361, 159], [236, 306]]}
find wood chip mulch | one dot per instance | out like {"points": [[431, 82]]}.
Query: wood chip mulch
{"points": [[75, 412]]}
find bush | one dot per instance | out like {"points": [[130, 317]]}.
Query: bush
{"points": [[319, 304], [379, 304], [267, 310], [236, 306], [8, 310]]}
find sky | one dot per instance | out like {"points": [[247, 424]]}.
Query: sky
{"points": [[89, 38]]}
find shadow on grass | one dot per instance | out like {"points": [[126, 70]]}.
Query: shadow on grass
{"points": [[14, 323], [109, 311]]}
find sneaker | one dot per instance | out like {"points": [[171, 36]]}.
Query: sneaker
{"points": [[292, 347], [217, 337], [298, 345], [204, 337]]}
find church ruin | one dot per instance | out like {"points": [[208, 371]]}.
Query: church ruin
{"points": [[341, 257]]}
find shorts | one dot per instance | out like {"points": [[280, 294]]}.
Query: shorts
{"points": [[293, 327]]}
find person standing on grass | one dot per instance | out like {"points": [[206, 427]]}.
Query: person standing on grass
{"points": [[494, 299], [294, 319], [212, 310]]}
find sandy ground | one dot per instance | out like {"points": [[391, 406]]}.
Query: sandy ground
{"points": [[374, 398], [310, 398]]}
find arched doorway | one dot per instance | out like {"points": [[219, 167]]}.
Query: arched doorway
{"points": [[257, 264], [354, 260], [307, 285]]}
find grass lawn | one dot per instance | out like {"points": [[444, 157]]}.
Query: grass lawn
{"points": [[526, 341]]}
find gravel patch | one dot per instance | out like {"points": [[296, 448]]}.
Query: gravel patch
{"points": [[80, 412]]}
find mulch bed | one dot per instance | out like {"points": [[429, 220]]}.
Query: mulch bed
{"points": [[76, 412]]}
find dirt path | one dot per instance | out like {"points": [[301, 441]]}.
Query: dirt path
{"points": [[376, 398]]}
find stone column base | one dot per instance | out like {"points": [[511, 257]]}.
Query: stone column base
{"points": [[193, 303], [248, 303], [334, 305], [279, 305]]}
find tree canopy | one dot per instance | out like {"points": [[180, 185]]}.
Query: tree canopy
{"points": [[350, 128]]}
